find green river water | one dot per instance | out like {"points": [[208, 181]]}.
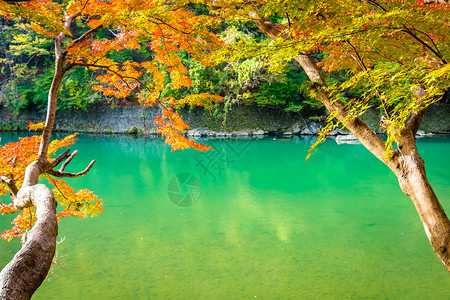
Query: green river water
{"points": [[253, 220]]}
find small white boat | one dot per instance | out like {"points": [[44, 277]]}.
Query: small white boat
{"points": [[347, 139]]}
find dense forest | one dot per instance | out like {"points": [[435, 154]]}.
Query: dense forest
{"points": [[27, 65], [27, 69]]}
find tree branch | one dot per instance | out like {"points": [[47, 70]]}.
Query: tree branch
{"points": [[63, 166], [83, 37], [363, 66], [416, 118], [60, 159], [54, 88], [409, 31], [68, 21], [168, 25], [422, 42], [376, 4], [10, 183], [431, 40], [61, 174]]}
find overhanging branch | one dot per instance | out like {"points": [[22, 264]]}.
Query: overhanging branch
{"points": [[60, 159], [69, 159], [61, 174]]}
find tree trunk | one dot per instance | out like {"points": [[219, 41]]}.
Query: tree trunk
{"points": [[413, 181], [51, 107], [407, 165], [20, 278]]}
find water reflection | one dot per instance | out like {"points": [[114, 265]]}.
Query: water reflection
{"points": [[271, 225]]}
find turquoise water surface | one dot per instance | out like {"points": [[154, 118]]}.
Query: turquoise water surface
{"points": [[254, 220]]}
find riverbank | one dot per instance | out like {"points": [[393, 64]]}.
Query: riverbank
{"points": [[240, 121]]}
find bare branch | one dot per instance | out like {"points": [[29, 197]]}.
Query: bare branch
{"points": [[11, 184], [59, 159], [416, 118], [83, 37], [422, 42], [168, 25], [63, 166], [61, 174], [69, 19]]}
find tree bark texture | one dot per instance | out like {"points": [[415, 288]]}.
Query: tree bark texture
{"points": [[20, 278], [412, 178]]}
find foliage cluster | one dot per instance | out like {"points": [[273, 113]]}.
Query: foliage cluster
{"points": [[393, 53], [15, 157], [27, 67], [27, 70]]}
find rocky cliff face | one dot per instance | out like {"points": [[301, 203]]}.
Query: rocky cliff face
{"points": [[240, 121]]}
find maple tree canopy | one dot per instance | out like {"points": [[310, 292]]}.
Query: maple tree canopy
{"points": [[165, 28], [394, 51]]}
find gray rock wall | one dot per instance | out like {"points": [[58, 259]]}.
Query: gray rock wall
{"points": [[243, 120]]}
